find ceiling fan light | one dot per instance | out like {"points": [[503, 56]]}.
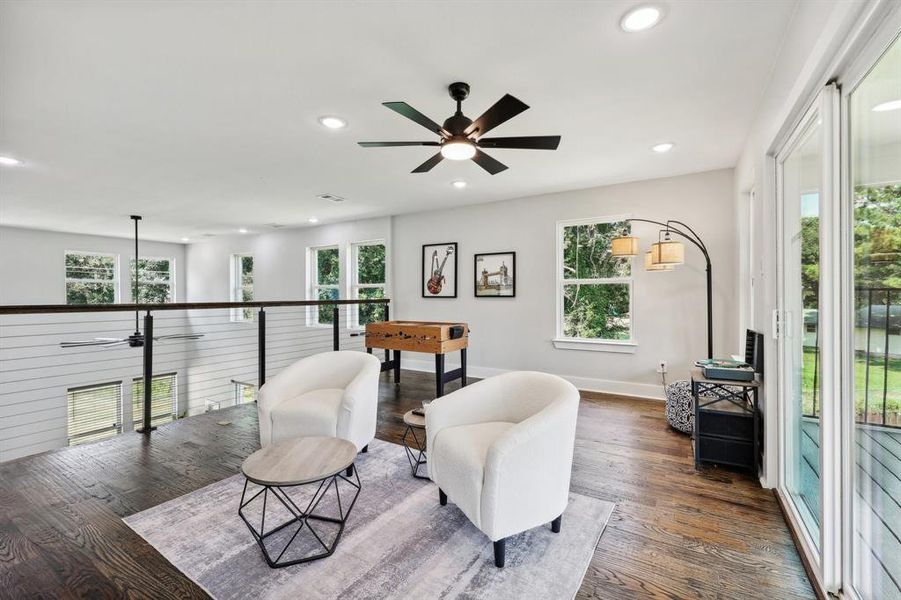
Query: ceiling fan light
{"points": [[458, 150], [624, 246]]}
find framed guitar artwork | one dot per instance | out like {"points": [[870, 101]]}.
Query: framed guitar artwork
{"points": [[439, 270]]}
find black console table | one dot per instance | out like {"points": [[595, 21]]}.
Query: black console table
{"points": [[727, 428]]}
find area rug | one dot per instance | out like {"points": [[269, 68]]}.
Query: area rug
{"points": [[399, 542]]}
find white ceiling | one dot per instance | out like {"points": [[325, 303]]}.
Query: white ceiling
{"points": [[202, 115]]}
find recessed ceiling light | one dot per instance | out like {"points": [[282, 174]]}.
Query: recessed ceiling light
{"points": [[9, 161], [459, 184], [641, 18], [313, 220], [184, 239], [664, 147], [887, 106], [242, 230], [333, 122]]}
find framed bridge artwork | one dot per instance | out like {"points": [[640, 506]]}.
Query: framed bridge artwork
{"points": [[495, 275], [439, 270]]}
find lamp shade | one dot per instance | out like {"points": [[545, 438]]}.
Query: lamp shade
{"points": [[667, 252], [650, 266], [624, 246]]}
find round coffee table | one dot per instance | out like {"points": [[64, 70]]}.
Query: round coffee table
{"points": [[415, 444], [314, 461]]}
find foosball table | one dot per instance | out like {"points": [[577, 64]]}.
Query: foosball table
{"points": [[431, 337]]}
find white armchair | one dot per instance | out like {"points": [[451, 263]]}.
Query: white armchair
{"points": [[502, 450], [330, 394]]}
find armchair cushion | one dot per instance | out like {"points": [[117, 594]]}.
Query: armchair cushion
{"points": [[309, 414], [462, 452]]}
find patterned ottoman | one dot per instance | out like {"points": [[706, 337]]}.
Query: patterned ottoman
{"points": [[680, 406]]}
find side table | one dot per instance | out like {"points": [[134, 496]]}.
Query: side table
{"points": [[727, 427], [414, 443]]}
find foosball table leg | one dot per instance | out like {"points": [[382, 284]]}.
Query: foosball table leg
{"points": [[439, 375], [396, 365], [368, 350], [462, 367]]}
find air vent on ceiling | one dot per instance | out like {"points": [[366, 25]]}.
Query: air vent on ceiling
{"points": [[208, 235], [330, 197], [274, 225]]}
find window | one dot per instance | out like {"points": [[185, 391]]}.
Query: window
{"points": [[156, 279], [242, 286], [92, 278], [245, 393], [368, 280], [594, 288], [163, 403], [94, 412], [326, 278]]}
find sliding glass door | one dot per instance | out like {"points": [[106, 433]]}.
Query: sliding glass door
{"points": [[873, 430], [800, 182]]}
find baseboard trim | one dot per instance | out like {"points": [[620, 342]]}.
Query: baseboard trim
{"points": [[588, 384]]}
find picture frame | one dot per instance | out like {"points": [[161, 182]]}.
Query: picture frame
{"points": [[494, 275], [439, 272]]}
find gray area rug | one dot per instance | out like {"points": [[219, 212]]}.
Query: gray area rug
{"points": [[398, 543]]}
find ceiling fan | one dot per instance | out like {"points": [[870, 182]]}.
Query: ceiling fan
{"points": [[135, 340], [461, 137]]}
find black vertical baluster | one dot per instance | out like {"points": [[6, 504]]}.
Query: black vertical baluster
{"points": [[888, 310], [387, 318], [261, 351], [335, 341], [148, 373], [866, 377]]}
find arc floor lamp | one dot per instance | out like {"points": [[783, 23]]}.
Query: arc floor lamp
{"points": [[665, 254]]}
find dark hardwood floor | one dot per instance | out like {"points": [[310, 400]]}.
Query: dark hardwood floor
{"points": [[675, 533]]}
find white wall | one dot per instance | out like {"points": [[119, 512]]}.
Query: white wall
{"points": [[517, 333], [280, 269], [36, 372], [33, 267]]}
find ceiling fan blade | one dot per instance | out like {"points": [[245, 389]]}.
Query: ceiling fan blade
{"points": [[180, 336], [489, 164], [533, 142], [393, 144], [427, 165], [94, 342], [503, 110], [414, 115]]}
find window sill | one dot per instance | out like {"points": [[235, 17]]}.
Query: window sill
{"points": [[595, 345]]}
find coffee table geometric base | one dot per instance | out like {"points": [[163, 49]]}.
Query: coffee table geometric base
{"points": [[415, 449], [303, 518]]}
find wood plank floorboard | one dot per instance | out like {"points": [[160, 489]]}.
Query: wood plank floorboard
{"points": [[675, 533]]}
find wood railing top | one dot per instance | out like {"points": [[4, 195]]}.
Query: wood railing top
{"points": [[37, 309]]}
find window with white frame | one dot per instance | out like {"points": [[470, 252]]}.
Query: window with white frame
{"points": [[92, 278], [242, 285], [156, 280], [325, 278], [368, 282], [94, 412], [594, 288], [163, 403], [245, 393]]}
